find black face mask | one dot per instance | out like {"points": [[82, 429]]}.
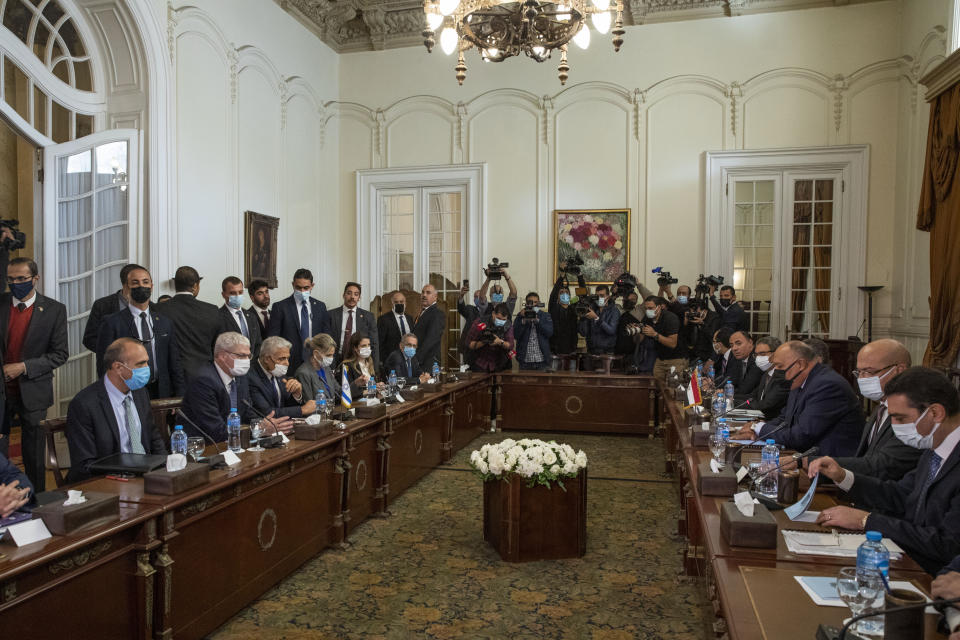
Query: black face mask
{"points": [[140, 294], [725, 303], [398, 309], [629, 305]]}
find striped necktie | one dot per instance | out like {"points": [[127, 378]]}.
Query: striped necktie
{"points": [[932, 469]]}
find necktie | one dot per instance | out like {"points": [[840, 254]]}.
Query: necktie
{"points": [[276, 392], [147, 339], [935, 461], [403, 327], [21, 306], [233, 394], [266, 318], [409, 369], [347, 332], [304, 323], [243, 324], [881, 416], [133, 425]]}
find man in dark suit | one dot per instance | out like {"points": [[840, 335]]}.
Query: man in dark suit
{"points": [[921, 511], [234, 318], [821, 411], [349, 319], [771, 393], [112, 415], [33, 335], [271, 389], [392, 326], [260, 297], [299, 317], [723, 360], [880, 453], [732, 315], [743, 371], [102, 307], [404, 362], [431, 323], [141, 321], [195, 322], [16, 491]]}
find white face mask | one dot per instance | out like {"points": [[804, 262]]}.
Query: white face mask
{"points": [[763, 362], [601, 302], [279, 370], [908, 434], [870, 388], [240, 367], [365, 352], [651, 313]]}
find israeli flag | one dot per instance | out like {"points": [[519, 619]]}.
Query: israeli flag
{"points": [[345, 399]]}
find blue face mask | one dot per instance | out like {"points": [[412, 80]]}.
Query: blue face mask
{"points": [[683, 299], [21, 290], [409, 351], [564, 298], [302, 296], [499, 321], [139, 379], [234, 302], [497, 297]]}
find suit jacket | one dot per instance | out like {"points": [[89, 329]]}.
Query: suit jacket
{"points": [[397, 362], [824, 412], [285, 322], [45, 348], [167, 367], [931, 538], [363, 322], [93, 432], [256, 312], [745, 374], [429, 331], [197, 325], [207, 403], [388, 334], [10, 472], [544, 329], [102, 307], [228, 322], [886, 458], [733, 317], [310, 380], [263, 394], [770, 396], [953, 566]]}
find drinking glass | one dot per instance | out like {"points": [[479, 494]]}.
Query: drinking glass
{"points": [[401, 382], [718, 445], [858, 591], [754, 471], [256, 430], [195, 447]]}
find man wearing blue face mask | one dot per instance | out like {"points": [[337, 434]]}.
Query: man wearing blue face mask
{"points": [[921, 511], [532, 329], [299, 317], [599, 326], [496, 295], [404, 363], [233, 317], [112, 415]]}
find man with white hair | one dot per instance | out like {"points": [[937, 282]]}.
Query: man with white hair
{"points": [[220, 387], [271, 389]]}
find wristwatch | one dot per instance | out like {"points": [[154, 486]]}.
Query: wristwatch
{"points": [[863, 523]]}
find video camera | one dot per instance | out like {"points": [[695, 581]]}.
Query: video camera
{"points": [[19, 240], [490, 332], [572, 266], [530, 310], [663, 277], [586, 304], [624, 285], [705, 282], [494, 270]]}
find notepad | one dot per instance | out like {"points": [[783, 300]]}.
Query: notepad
{"points": [[843, 545]]}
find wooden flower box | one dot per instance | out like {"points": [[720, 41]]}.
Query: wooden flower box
{"points": [[525, 524]]}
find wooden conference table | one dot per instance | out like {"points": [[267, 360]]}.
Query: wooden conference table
{"points": [[753, 591]]}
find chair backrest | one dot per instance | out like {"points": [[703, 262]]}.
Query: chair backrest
{"points": [[51, 427], [164, 414]]}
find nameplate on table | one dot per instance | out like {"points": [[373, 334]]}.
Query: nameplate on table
{"points": [[28, 532], [230, 458]]}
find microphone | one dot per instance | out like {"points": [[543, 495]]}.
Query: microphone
{"points": [[730, 457], [270, 442], [214, 461], [830, 632]]}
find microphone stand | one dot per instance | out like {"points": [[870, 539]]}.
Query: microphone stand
{"points": [[270, 442], [214, 461], [938, 604], [768, 502]]}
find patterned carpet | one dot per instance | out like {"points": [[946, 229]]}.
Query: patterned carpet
{"points": [[427, 573]]}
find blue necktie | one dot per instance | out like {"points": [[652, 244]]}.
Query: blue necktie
{"points": [[409, 369], [935, 461], [243, 324], [233, 395], [304, 323]]}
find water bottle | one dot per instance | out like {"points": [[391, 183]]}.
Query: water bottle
{"points": [[873, 557], [435, 374], [178, 440], [720, 403], [769, 459], [371, 388], [723, 429], [233, 431], [392, 381], [728, 394], [710, 373], [321, 402]]}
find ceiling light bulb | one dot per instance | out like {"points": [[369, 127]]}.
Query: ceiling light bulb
{"points": [[493, 52], [448, 6], [601, 22], [539, 51], [603, 5], [562, 15], [583, 36], [448, 40], [434, 20]]}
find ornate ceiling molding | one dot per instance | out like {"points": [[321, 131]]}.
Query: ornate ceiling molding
{"points": [[373, 25]]}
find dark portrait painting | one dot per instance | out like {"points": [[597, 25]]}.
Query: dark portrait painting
{"points": [[260, 247]]}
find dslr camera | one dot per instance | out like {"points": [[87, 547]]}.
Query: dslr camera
{"points": [[624, 285], [494, 270], [705, 282], [530, 310], [663, 277], [19, 240], [490, 332]]}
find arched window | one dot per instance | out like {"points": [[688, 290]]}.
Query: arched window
{"points": [[48, 31]]}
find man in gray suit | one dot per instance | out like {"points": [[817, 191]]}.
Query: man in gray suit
{"points": [[196, 323], [33, 336], [881, 454], [349, 319]]}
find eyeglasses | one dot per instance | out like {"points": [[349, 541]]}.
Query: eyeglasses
{"points": [[859, 373], [19, 279], [240, 355]]}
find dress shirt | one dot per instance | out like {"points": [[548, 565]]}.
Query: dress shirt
{"points": [[300, 306], [226, 378], [236, 314], [116, 401], [272, 379], [343, 321], [262, 313], [136, 323], [402, 323], [26, 303], [944, 450]]}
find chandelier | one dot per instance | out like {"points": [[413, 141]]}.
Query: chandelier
{"points": [[501, 29]]}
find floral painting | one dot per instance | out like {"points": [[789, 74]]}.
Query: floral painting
{"points": [[600, 237]]}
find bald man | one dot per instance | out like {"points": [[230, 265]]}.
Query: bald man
{"points": [[431, 323], [881, 454]]}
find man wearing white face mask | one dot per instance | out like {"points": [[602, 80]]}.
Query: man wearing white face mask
{"points": [[271, 389], [880, 454], [921, 511]]}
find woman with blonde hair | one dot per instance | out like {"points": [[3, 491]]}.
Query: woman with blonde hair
{"points": [[317, 372]]}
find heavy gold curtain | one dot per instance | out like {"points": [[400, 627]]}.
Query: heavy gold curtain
{"points": [[939, 213]]}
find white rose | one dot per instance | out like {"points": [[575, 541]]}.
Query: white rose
{"points": [[508, 443], [555, 469], [570, 468], [496, 467], [568, 450], [581, 459], [475, 458], [482, 467], [549, 457]]}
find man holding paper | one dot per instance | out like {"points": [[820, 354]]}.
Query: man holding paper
{"points": [[921, 511]]}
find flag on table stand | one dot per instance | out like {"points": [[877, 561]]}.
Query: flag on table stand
{"points": [[693, 390], [345, 400]]}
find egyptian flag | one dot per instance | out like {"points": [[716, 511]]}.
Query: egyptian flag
{"points": [[345, 400], [693, 390]]}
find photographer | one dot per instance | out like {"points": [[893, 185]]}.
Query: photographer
{"points": [[679, 305], [699, 324], [494, 271], [664, 327], [492, 344], [533, 329], [637, 349], [598, 321], [564, 316], [732, 315]]}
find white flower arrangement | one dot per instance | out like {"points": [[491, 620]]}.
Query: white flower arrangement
{"points": [[536, 461]]}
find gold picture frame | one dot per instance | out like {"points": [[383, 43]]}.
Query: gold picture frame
{"points": [[260, 247], [600, 236]]}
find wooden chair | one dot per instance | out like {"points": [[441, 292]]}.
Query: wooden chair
{"points": [[164, 413], [51, 427], [383, 303]]}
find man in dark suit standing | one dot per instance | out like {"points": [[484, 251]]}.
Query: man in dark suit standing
{"points": [[102, 307], [270, 387], [141, 321], [112, 415], [404, 363], [431, 323], [921, 511], [392, 326], [299, 317], [770, 395], [821, 411], [260, 297], [195, 322], [880, 453], [33, 335], [234, 318], [349, 319]]}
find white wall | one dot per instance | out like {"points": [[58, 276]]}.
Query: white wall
{"points": [[631, 127]]}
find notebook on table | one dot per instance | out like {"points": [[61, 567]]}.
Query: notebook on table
{"points": [[135, 463]]}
